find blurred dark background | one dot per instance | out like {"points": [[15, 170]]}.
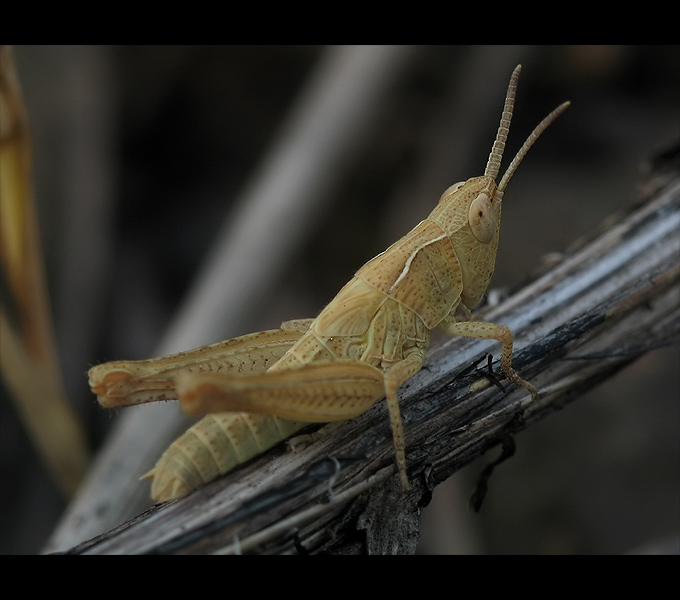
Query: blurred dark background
{"points": [[140, 152]]}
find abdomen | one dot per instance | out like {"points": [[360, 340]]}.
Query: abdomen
{"points": [[214, 446]]}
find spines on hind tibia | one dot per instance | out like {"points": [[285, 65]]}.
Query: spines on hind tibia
{"points": [[212, 447]]}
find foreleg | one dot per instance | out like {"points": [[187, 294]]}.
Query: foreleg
{"points": [[490, 331]]}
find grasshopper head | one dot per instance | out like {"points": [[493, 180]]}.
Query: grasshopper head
{"points": [[470, 211]]}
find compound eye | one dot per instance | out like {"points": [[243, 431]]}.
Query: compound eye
{"points": [[451, 189], [482, 218]]}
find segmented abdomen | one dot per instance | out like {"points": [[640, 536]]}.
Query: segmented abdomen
{"points": [[213, 447]]}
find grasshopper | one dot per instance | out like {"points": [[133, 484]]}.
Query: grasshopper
{"points": [[258, 389]]}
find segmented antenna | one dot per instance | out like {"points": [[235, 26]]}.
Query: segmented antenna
{"points": [[540, 128], [493, 165]]}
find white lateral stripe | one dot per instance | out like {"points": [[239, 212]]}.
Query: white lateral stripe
{"points": [[407, 266]]}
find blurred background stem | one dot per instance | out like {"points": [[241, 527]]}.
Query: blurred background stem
{"points": [[29, 361]]}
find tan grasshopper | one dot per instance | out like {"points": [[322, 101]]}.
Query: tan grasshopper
{"points": [[371, 338]]}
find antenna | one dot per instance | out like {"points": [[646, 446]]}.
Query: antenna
{"points": [[540, 128], [493, 165]]}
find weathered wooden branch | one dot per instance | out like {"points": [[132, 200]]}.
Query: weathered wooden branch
{"points": [[605, 303]]}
